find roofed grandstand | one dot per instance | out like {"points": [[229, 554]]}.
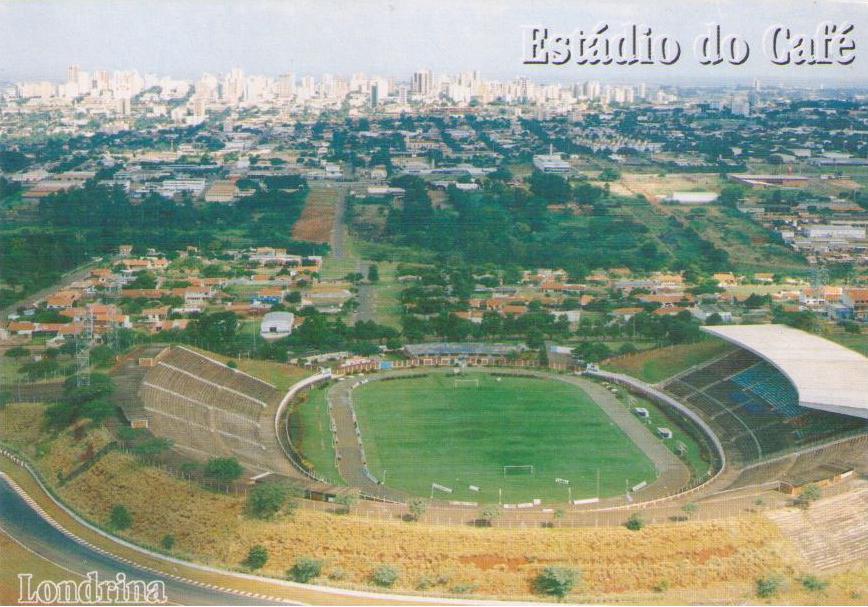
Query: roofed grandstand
{"points": [[205, 406], [754, 409]]}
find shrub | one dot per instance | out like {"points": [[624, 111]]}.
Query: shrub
{"points": [[418, 506], [264, 501], [305, 569], [257, 556], [347, 502], [488, 514], [810, 493], [635, 522], [120, 518], [556, 581], [814, 584], [168, 542], [768, 586], [385, 576], [223, 469], [337, 574]]}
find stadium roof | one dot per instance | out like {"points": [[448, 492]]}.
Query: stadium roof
{"points": [[826, 375]]}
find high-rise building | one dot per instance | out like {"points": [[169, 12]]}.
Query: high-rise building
{"points": [[286, 85], [423, 82], [375, 95], [72, 74]]}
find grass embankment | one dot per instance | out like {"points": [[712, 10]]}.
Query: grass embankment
{"points": [[280, 375], [655, 365], [311, 434], [426, 430]]}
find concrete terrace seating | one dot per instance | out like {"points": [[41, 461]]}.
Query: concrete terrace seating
{"points": [[205, 406], [214, 371]]}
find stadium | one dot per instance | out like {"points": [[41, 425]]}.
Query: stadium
{"points": [[466, 424]]}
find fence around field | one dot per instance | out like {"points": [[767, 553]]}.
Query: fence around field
{"points": [[283, 438]]}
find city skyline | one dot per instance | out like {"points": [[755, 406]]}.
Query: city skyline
{"points": [[182, 40]]}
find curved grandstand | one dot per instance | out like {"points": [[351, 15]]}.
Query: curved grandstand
{"points": [[780, 389], [206, 407], [823, 375]]}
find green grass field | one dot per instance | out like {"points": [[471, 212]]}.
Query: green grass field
{"points": [[426, 430], [313, 437], [661, 363]]}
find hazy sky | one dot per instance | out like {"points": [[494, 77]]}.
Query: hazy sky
{"points": [[38, 39]]}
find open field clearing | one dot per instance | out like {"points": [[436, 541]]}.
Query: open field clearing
{"points": [[427, 430], [386, 296], [318, 216], [750, 246], [335, 267], [653, 186], [656, 365]]}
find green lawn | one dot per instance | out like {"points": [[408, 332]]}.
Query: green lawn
{"points": [[426, 430], [655, 365], [313, 437]]}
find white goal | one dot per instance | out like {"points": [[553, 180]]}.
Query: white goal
{"points": [[465, 383], [525, 469]]}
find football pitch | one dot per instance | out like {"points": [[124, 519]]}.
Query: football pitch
{"points": [[428, 430]]}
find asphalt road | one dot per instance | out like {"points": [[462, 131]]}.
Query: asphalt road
{"points": [[21, 522]]}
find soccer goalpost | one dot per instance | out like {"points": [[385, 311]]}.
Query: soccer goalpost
{"points": [[526, 469], [465, 383]]}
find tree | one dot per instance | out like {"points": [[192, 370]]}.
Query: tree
{"points": [[385, 575], [488, 515], [168, 542], [264, 501], [418, 506], [690, 508], [17, 352], [97, 410], [256, 558], [347, 501], [556, 581], [152, 447], [120, 518], [304, 570], [769, 586], [373, 273], [635, 522], [223, 469]]}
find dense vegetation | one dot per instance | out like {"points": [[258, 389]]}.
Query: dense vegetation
{"points": [[506, 225], [94, 220]]}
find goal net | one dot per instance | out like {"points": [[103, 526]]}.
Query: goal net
{"points": [[465, 383], [523, 470]]}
